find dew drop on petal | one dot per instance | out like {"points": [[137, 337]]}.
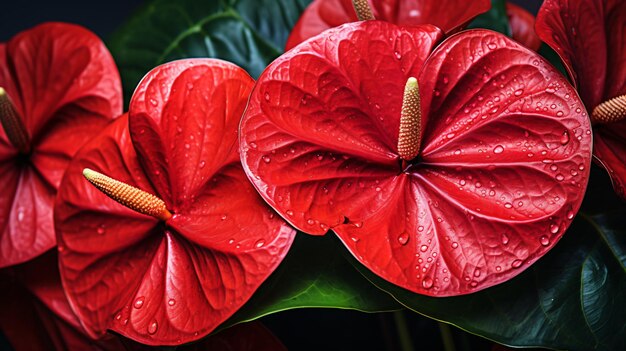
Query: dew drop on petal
{"points": [[259, 243], [516, 264], [139, 302], [152, 328], [544, 240], [171, 302], [564, 138], [455, 245], [498, 149], [403, 238], [554, 228], [505, 239], [423, 248], [427, 283]]}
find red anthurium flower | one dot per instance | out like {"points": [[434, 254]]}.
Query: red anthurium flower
{"points": [[590, 38], [331, 140], [449, 15], [195, 240], [522, 25], [58, 86]]}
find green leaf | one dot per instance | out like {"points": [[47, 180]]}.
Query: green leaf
{"points": [[573, 298], [494, 19], [249, 33], [314, 274]]}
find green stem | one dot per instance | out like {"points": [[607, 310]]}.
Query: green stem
{"points": [[446, 337], [403, 331]]}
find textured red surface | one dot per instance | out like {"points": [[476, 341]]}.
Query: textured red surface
{"points": [[169, 282], [590, 38], [449, 15], [65, 85], [522, 25], [503, 168]]}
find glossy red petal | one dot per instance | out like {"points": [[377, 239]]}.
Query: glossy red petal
{"points": [[616, 53], [505, 154], [449, 15], [27, 229], [522, 25], [65, 85], [609, 147], [174, 282], [575, 29], [321, 113], [53, 65]]}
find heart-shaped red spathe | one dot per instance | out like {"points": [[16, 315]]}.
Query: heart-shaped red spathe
{"points": [[522, 25], [65, 85], [173, 282], [590, 38], [449, 15], [503, 168]]}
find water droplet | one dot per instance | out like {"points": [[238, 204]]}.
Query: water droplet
{"points": [[420, 228], [455, 245], [152, 328], [20, 214], [231, 241], [570, 214], [559, 177], [423, 248], [267, 96], [518, 92], [498, 149], [544, 240], [289, 213], [253, 145], [554, 167], [505, 239], [139, 302], [554, 228], [462, 182], [564, 138], [223, 217], [398, 55], [477, 272], [498, 268], [202, 164], [171, 302], [310, 221], [403, 238], [153, 102], [427, 283], [266, 159], [516, 264], [101, 230], [259, 243], [445, 80], [508, 205]]}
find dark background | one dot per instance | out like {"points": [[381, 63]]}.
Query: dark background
{"points": [[303, 329]]}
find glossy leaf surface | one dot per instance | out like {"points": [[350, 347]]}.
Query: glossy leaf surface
{"points": [[169, 282], [572, 299], [65, 85], [449, 15], [503, 168], [249, 33], [307, 279], [522, 25], [590, 38]]}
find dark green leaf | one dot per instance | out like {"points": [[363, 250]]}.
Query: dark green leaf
{"points": [[574, 298], [494, 19], [315, 274], [249, 33]]}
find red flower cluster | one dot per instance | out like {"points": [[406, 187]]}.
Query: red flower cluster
{"points": [[445, 160]]}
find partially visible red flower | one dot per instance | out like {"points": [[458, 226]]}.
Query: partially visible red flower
{"points": [[522, 25], [35, 312], [196, 240], [58, 87], [449, 15], [445, 184], [590, 38]]}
